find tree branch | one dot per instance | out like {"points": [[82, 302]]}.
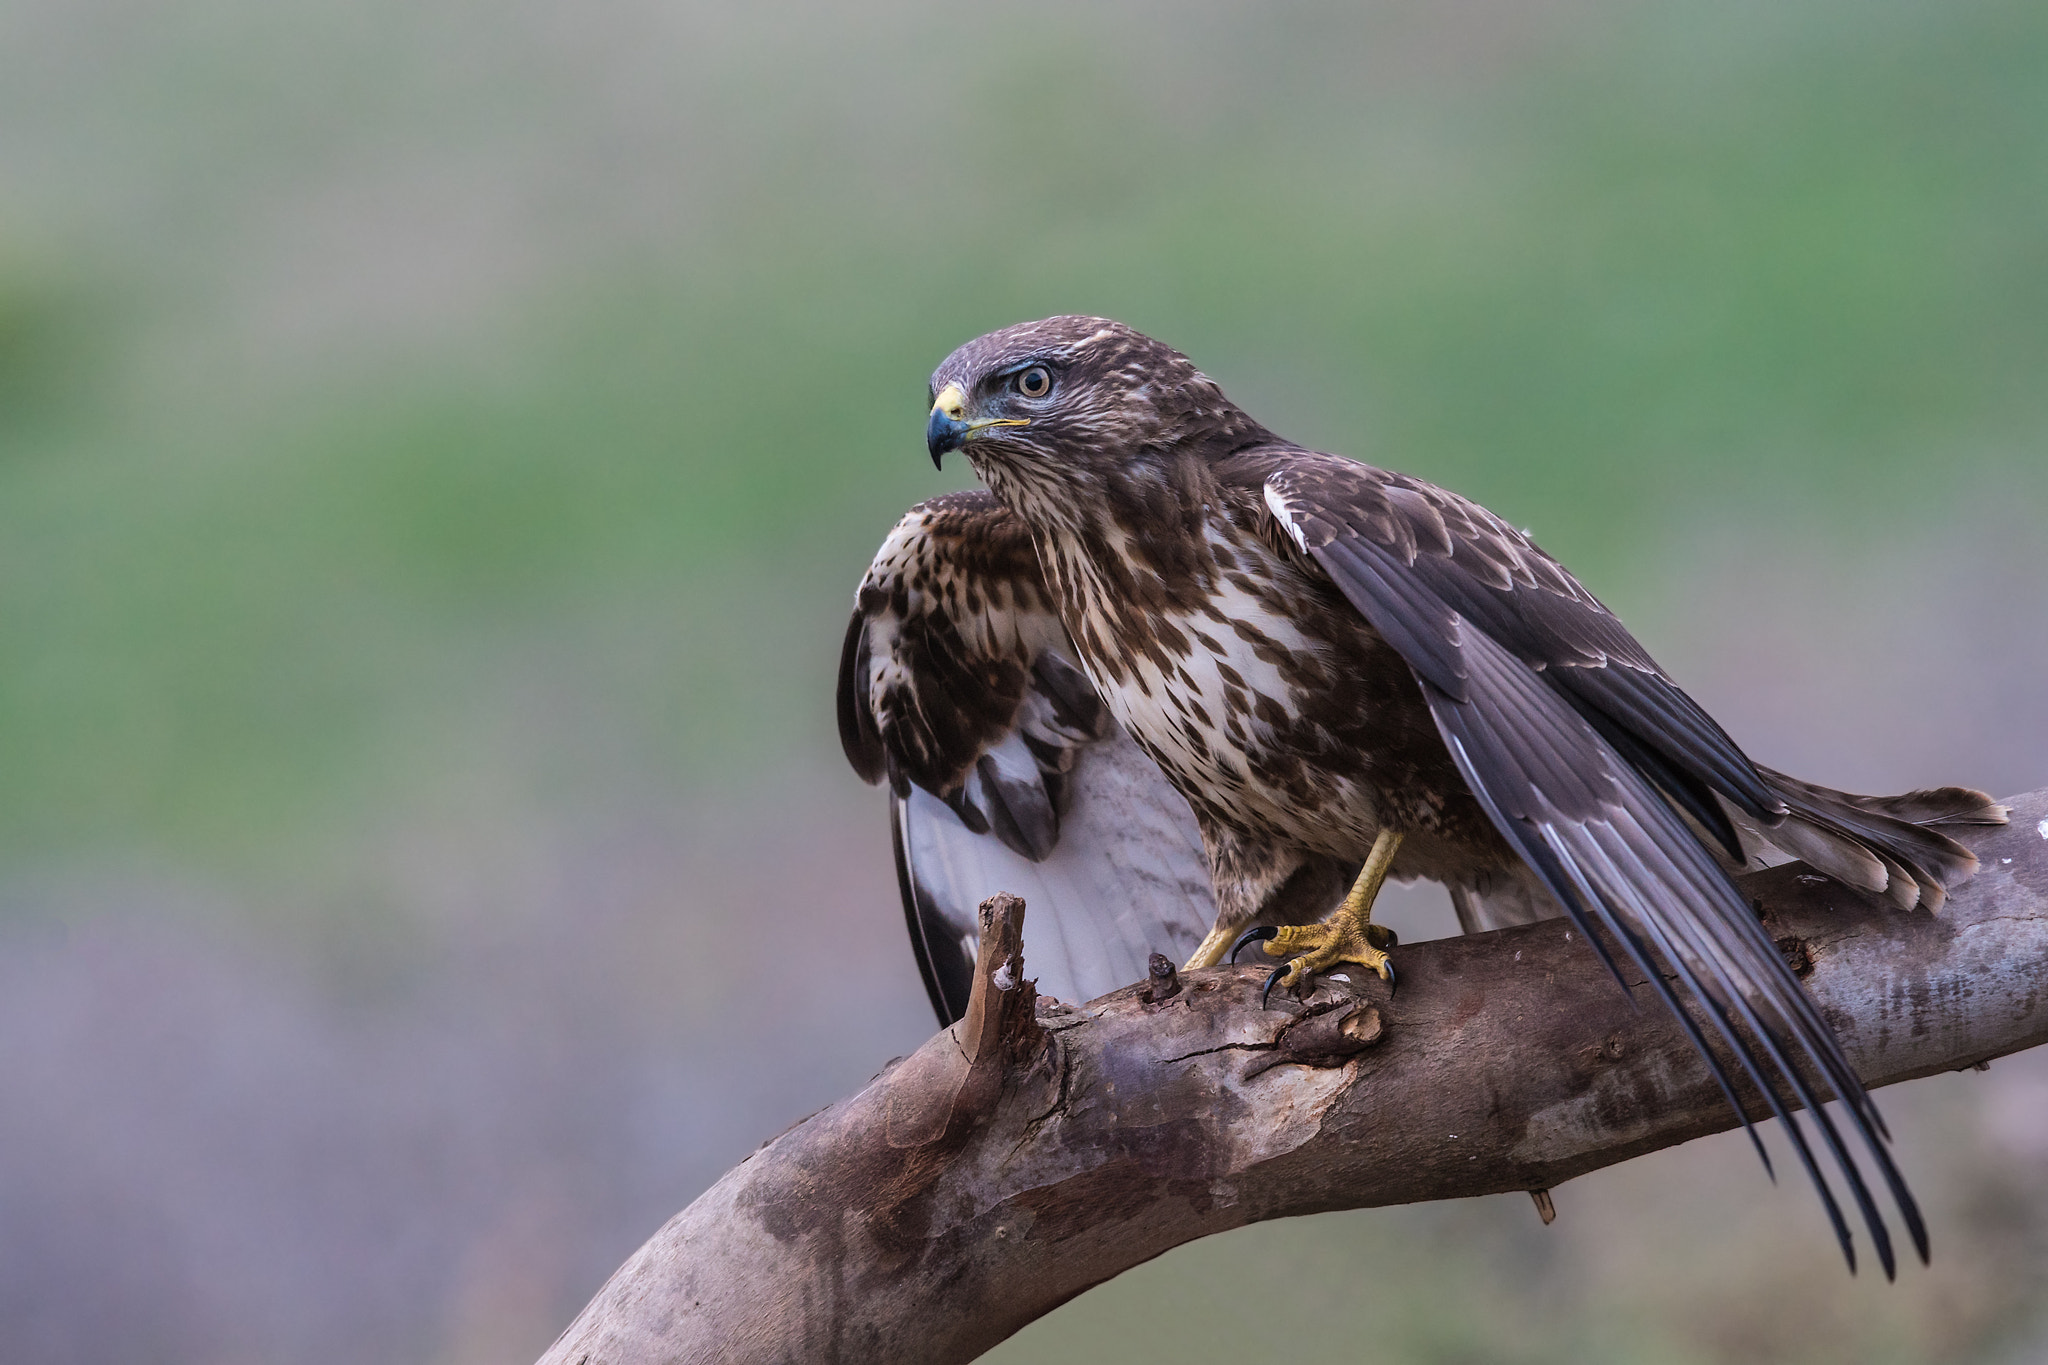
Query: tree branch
{"points": [[1027, 1154]]}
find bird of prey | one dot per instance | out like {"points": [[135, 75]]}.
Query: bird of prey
{"points": [[1172, 673]]}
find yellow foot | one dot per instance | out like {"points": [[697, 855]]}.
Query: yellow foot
{"points": [[1348, 935], [1340, 938]]}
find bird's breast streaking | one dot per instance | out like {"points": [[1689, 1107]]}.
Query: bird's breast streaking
{"points": [[1218, 684]]}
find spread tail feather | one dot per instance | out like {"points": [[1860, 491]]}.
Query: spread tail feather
{"points": [[1891, 846]]}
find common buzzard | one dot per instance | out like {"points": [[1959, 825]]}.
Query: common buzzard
{"points": [[1174, 673]]}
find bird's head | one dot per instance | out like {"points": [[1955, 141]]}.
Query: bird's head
{"points": [[1069, 399]]}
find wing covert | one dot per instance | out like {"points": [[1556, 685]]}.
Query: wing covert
{"points": [[1432, 555]]}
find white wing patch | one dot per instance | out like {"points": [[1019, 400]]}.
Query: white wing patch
{"points": [[1276, 503], [1127, 879]]}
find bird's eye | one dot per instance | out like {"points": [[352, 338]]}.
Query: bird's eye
{"points": [[1035, 382]]}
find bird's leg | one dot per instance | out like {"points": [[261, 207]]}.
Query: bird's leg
{"points": [[1211, 949], [1249, 876], [1348, 935]]}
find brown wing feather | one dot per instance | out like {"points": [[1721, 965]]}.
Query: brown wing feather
{"points": [[947, 625], [1468, 562], [1574, 777], [955, 683]]}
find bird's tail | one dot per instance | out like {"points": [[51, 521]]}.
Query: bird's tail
{"points": [[1890, 846]]}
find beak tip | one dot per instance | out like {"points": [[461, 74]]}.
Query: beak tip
{"points": [[942, 433]]}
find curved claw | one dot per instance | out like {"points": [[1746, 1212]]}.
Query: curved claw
{"points": [[1264, 933], [1387, 975], [1271, 981]]}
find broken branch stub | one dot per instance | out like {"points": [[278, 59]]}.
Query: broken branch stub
{"points": [[941, 1090], [1036, 1149]]}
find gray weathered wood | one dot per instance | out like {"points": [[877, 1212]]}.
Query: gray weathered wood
{"points": [[1029, 1153]]}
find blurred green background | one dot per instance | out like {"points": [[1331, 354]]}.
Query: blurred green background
{"points": [[438, 443]]}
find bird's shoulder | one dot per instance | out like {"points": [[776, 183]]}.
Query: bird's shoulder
{"points": [[1467, 558], [1318, 497], [953, 542], [1433, 571]]}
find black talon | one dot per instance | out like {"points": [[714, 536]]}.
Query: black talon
{"points": [[1267, 989], [1393, 980], [1265, 933]]}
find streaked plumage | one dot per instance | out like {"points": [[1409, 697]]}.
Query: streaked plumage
{"points": [[1311, 650]]}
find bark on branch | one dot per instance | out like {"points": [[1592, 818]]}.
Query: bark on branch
{"points": [[1035, 1150]]}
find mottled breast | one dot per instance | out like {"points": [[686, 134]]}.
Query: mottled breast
{"points": [[1228, 665]]}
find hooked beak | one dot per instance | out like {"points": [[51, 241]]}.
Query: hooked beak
{"points": [[948, 427], [946, 430]]}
